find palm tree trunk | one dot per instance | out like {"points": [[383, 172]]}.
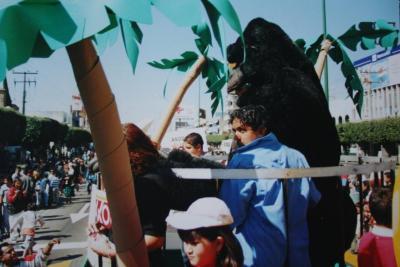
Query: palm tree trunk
{"points": [[112, 153], [190, 78]]}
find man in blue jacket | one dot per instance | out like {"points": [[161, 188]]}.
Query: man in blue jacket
{"points": [[272, 229]]}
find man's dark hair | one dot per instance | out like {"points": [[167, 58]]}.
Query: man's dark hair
{"points": [[253, 116], [380, 204], [194, 139]]}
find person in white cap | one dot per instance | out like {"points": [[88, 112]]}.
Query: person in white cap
{"points": [[206, 234]]}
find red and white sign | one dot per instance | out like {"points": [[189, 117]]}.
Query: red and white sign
{"points": [[103, 213], [76, 103], [99, 209]]}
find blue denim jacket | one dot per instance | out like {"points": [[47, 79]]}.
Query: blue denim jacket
{"points": [[257, 205]]}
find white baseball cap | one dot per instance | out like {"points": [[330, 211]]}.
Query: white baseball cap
{"points": [[204, 212]]}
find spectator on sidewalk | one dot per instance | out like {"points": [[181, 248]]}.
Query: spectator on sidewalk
{"points": [[9, 257], [376, 247], [17, 173], [388, 179], [16, 205], [29, 221], [37, 181], [5, 230], [45, 189], [54, 187], [68, 189]]}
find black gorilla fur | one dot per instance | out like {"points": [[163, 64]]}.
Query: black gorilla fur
{"points": [[186, 191], [278, 76]]}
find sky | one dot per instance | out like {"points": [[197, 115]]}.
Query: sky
{"points": [[140, 96]]}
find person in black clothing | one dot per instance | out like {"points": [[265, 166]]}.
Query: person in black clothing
{"points": [[158, 189], [153, 184]]}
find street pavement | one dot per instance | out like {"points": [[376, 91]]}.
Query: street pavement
{"points": [[72, 249]]}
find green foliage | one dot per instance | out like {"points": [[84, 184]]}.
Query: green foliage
{"points": [[370, 132], [204, 41], [368, 35], [38, 28], [187, 59], [61, 133], [216, 138], [214, 71], [77, 136], [39, 132], [353, 84], [13, 126]]}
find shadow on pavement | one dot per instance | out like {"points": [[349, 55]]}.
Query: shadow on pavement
{"points": [[50, 237], [46, 231], [78, 202], [57, 218], [64, 258], [49, 216]]}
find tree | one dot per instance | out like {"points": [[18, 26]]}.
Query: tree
{"points": [[37, 28], [13, 125], [40, 132], [77, 137], [371, 133]]}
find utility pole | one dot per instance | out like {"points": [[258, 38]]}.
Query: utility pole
{"points": [[24, 82]]}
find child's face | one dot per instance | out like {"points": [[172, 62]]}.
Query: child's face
{"points": [[203, 252], [195, 151], [18, 184], [244, 133]]}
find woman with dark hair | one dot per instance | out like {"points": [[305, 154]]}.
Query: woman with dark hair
{"points": [[153, 183], [157, 188]]}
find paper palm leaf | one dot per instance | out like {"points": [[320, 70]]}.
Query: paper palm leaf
{"points": [[187, 59], [36, 28], [370, 34], [338, 54], [213, 71], [353, 84]]}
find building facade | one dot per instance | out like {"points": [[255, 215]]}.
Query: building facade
{"points": [[380, 77]]}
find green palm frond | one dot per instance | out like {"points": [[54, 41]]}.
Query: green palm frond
{"points": [[353, 84], [187, 59], [367, 35], [36, 28], [370, 34], [204, 41], [213, 71]]}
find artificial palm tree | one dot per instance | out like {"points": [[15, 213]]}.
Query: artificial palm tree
{"points": [[36, 28]]}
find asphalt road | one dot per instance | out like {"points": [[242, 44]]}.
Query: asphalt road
{"points": [[72, 249]]}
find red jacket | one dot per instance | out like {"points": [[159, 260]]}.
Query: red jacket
{"points": [[376, 250]]}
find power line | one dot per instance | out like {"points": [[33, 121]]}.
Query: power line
{"points": [[24, 82]]}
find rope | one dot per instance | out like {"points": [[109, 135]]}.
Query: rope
{"points": [[320, 172]]}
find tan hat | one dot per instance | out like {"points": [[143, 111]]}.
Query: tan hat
{"points": [[204, 212]]}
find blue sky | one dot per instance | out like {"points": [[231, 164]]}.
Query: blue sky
{"points": [[140, 96]]}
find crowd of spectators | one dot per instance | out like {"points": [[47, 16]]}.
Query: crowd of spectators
{"points": [[36, 184], [372, 196]]}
